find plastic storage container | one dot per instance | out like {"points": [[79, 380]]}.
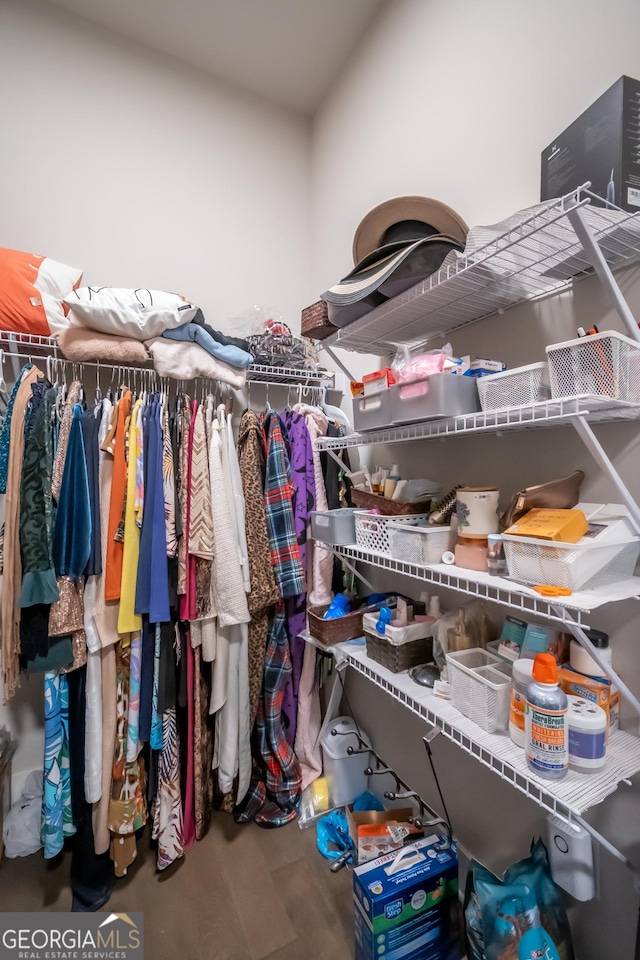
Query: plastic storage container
{"points": [[481, 687], [399, 647], [519, 387], [570, 565], [520, 680], [440, 395], [420, 544], [345, 774], [372, 412], [372, 531], [337, 527], [600, 365]]}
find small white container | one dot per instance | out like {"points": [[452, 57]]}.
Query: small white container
{"points": [[587, 730], [582, 661], [345, 774], [520, 680], [518, 387], [420, 545], [399, 635]]}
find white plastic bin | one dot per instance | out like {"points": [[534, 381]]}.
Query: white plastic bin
{"points": [[372, 529], [346, 777], [600, 365], [519, 387], [420, 544], [481, 687], [337, 527], [440, 395], [372, 412], [570, 565]]}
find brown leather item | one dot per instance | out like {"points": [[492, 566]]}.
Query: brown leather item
{"points": [[559, 494]]}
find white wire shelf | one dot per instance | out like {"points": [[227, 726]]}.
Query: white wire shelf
{"points": [[569, 797], [36, 345], [499, 590], [538, 253], [550, 413]]}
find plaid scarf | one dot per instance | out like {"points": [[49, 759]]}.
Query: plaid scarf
{"points": [[274, 795], [278, 491]]}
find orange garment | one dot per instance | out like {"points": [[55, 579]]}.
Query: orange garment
{"points": [[113, 576]]}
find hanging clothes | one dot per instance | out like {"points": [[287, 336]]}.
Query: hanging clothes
{"points": [[115, 548], [72, 397], [5, 430], [320, 589], [12, 564], [285, 553], [105, 612], [129, 621], [57, 818], [167, 821], [152, 590], [304, 494], [274, 795]]}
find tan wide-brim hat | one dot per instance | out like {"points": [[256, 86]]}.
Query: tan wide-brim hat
{"points": [[369, 235]]}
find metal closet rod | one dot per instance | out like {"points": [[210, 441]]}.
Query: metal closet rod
{"points": [[136, 372]]}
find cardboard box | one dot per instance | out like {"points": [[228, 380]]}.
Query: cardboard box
{"points": [[602, 692], [565, 526], [603, 146], [377, 381], [378, 832], [409, 908]]}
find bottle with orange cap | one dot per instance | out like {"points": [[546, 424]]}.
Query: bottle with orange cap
{"points": [[545, 719]]}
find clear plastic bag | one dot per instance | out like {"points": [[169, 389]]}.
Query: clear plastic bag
{"points": [[409, 365], [21, 831]]}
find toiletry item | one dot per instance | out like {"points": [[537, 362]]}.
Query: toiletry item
{"points": [[401, 618], [545, 720], [520, 680], [389, 487], [477, 512], [434, 607], [375, 482], [587, 726], [448, 557], [581, 660], [399, 490], [496, 560], [338, 607], [459, 636], [602, 692], [384, 475]]}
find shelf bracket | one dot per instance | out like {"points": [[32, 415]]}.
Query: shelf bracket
{"points": [[597, 451], [351, 568], [603, 270], [338, 362], [607, 669]]}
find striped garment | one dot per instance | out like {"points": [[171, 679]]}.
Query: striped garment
{"points": [[278, 491]]}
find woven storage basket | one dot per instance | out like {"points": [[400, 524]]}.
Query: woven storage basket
{"points": [[387, 507], [372, 531], [315, 321], [399, 657], [334, 631]]}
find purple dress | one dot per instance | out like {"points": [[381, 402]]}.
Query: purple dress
{"points": [[300, 451]]}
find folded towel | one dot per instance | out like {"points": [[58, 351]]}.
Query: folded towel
{"points": [[81, 345], [228, 353], [185, 361]]}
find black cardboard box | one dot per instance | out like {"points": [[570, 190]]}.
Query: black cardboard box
{"points": [[603, 146]]}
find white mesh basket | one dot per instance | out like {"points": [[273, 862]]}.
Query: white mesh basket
{"points": [[372, 530], [515, 388], [571, 565], [419, 544], [600, 365], [481, 687]]}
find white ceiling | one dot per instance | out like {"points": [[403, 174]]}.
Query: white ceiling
{"points": [[288, 51]]}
